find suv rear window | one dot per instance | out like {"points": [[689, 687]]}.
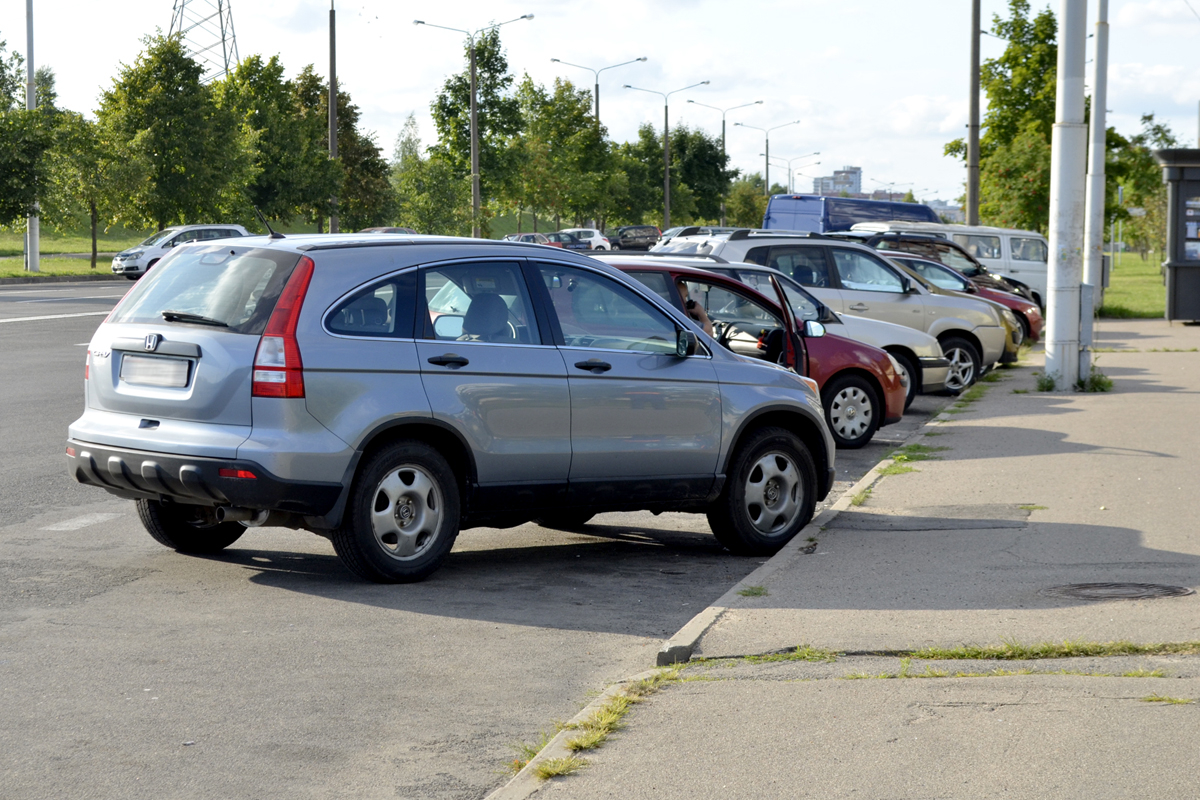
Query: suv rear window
{"points": [[215, 285]]}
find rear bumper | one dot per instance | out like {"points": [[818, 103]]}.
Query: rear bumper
{"points": [[934, 372], [144, 475]]}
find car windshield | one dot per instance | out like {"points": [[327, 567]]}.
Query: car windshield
{"points": [[937, 274], [686, 246], [158, 237], [210, 285]]}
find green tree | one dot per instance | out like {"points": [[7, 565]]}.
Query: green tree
{"points": [[81, 183], [696, 159], [25, 136], [364, 191], [747, 204], [291, 159], [909, 197], [429, 197], [1014, 192], [12, 78], [195, 159], [1135, 169], [498, 113]]}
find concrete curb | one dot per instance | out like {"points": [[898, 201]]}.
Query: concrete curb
{"points": [[61, 279], [680, 647], [526, 782]]}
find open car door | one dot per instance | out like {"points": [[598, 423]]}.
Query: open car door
{"points": [[792, 347]]}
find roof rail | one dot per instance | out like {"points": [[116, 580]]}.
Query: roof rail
{"points": [[689, 231], [746, 233]]}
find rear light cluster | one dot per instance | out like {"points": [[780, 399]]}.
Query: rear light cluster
{"points": [[278, 369], [244, 474]]}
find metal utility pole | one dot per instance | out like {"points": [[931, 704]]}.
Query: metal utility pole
{"points": [[476, 200], [333, 154], [767, 149], [666, 96], [33, 240], [206, 29], [1093, 233], [1068, 143], [973, 122], [724, 159], [596, 72]]}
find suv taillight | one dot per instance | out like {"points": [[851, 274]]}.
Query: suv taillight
{"points": [[278, 370]]}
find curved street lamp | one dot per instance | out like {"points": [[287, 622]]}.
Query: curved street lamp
{"points": [[596, 72], [789, 161], [724, 160], [666, 145], [767, 135], [475, 199]]}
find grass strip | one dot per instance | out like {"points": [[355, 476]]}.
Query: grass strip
{"points": [[1016, 651]]}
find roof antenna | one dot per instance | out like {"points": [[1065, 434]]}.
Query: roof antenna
{"points": [[263, 220]]}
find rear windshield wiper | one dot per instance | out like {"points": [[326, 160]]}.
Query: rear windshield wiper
{"points": [[185, 316]]}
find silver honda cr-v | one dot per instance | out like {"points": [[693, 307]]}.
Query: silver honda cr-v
{"points": [[385, 391]]}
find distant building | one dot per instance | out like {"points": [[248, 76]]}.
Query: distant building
{"points": [[951, 212], [846, 180]]}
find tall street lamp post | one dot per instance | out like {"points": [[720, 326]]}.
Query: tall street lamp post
{"points": [[891, 185], [724, 161], [789, 161], [767, 137], [596, 72], [667, 144], [475, 199]]}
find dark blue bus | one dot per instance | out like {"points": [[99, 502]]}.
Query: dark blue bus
{"points": [[811, 212]]}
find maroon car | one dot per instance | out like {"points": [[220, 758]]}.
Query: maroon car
{"points": [[861, 389]]}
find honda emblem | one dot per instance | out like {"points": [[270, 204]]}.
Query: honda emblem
{"points": [[152, 341]]}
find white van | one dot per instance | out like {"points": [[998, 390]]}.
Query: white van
{"points": [[1011, 252]]}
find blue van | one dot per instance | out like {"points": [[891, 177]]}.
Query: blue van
{"points": [[818, 214]]}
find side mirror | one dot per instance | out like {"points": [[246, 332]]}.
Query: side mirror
{"points": [[685, 343], [813, 329], [910, 286], [972, 288], [448, 326]]}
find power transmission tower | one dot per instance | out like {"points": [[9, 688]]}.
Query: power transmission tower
{"points": [[206, 28]]}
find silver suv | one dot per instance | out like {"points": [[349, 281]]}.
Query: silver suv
{"points": [[385, 392], [853, 279]]}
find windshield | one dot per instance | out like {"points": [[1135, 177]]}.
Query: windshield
{"points": [[938, 275], [685, 246], [216, 284], [158, 237]]}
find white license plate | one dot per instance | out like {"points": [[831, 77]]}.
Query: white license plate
{"points": [[147, 371]]}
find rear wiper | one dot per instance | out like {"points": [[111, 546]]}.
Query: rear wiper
{"points": [[185, 316]]}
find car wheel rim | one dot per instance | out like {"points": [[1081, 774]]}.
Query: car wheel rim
{"points": [[407, 512], [773, 495], [962, 368], [851, 412]]}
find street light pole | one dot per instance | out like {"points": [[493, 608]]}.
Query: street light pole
{"points": [[476, 200], [767, 135], [724, 159], [789, 161], [973, 122], [32, 229], [333, 139], [596, 72], [667, 144]]}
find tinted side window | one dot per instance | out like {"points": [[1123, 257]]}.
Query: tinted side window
{"points": [[861, 272], [1028, 250], [597, 312], [805, 265], [979, 246], [659, 283], [939, 276], [478, 302], [951, 256], [384, 309]]}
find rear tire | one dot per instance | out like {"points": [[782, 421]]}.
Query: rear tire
{"points": [[187, 529], [402, 517], [965, 363], [769, 496], [565, 520], [852, 411]]}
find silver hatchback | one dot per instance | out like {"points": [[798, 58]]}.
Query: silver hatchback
{"points": [[386, 392]]}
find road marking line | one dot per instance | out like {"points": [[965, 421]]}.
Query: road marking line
{"points": [[80, 522], [58, 316], [71, 299]]}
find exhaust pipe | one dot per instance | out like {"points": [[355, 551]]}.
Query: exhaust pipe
{"points": [[230, 514]]}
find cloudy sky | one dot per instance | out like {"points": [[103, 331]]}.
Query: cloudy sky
{"points": [[879, 84]]}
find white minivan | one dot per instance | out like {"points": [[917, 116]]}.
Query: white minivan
{"points": [[1011, 252]]}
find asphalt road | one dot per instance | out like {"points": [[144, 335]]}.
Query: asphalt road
{"points": [[270, 671]]}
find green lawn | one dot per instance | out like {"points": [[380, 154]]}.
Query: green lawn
{"points": [[15, 267], [78, 241], [1135, 288]]}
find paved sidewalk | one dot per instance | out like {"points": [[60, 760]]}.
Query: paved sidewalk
{"points": [[1033, 492]]}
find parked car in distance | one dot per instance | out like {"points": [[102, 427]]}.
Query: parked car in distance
{"points": [[854, 279], [594, 237], [633, 237], [388, 230], [689, 230], [822, 213], [861, 386], [568, 241], [1026, 311], [305, 382], [528, 238], [134, 262]]}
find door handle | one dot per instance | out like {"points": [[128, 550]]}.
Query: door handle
{"points": [[859, 307], [452, 360], [594, 365]]}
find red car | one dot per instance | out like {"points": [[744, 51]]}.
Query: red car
{"points": [[937, 273], [861, 389]]}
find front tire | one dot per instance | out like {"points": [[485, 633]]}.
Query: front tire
{"points": [[911, 371], [852, 411], [402, 517], [965, 363], [187, 529], [770, 494]]}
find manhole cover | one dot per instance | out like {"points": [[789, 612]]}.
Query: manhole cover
{"points": [[1116, 591]]}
